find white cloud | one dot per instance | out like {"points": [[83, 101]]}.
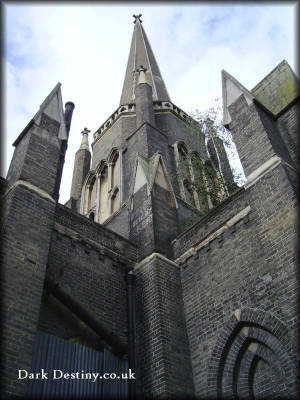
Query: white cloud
{"points": [[85, 47]]}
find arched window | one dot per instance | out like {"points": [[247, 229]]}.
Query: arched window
{"points": [[115, 176], [183, 162], [103, 195], [184, 175], [115, 182]]}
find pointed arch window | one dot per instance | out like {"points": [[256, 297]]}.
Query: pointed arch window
{"points": [[184, 174], [183, 161], [115, 175], [103, 194]]}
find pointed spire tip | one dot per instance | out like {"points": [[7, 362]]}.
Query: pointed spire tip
{"points": [[142, 54]]}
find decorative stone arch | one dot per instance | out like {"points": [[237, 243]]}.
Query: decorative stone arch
{"points": [[251, 341], [112, 154], [197, 154], [100, 166], [181, 143], [107, 190]]}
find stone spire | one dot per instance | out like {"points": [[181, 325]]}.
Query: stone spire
{"points": [[143, 99], [141, 54]]}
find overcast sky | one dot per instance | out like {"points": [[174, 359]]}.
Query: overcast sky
{"points": [[85, 46]]}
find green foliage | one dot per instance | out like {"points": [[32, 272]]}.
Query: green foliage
{"points": [[207, 182], [209, 123]]}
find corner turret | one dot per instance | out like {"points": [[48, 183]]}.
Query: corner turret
{"points": [[39, 150], [81, 168]]}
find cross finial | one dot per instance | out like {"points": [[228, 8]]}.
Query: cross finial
{"points": [[137, 18], [86, 131], [141, 69]]}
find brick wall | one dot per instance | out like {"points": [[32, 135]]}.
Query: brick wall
{"points": [[186, 215], [288, 124], [86, 229], [119, 222], [26, 231], [36, 157], [141, 222], [250, 137], [89, 263], [165, 220], [18, 158], [274, 135], [252, 265], [163, 357]]}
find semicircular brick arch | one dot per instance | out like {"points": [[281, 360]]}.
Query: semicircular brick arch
{"points": [[252, 358]]}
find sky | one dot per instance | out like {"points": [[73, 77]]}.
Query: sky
{"points": [[85, 46]]}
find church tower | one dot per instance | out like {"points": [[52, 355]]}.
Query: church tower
{"points": [[151, 174], [158, 264], [150, 170]]}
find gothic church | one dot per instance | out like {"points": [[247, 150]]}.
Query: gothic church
{"points": [[158, 264]]}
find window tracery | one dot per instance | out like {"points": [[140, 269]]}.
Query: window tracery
{"points": [[102, 192], [200, 184]]}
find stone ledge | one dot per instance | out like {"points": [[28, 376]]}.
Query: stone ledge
{"points": [[40, 192], [90, 244], [212, 236], [262, 170], [152, 256]]}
